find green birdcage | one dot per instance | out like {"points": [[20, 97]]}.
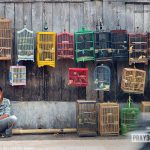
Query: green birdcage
{"points": [[84, 45], [129, 117]]}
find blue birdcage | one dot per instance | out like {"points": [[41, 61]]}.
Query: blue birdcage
{"points": [[25, 45], [102, 78]]}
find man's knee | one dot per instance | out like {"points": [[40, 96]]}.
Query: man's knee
{"points": [[13, 119]]}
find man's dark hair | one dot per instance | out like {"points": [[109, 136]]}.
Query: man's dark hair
{"points": [[1, 89]]}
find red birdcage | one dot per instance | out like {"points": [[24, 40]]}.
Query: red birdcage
{"points": [[78, 77], [65, 45]]}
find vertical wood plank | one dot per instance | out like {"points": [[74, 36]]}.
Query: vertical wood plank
{"points": [[139, 17], [37, 17], [130, 17], [60, 17], [146, 18], [27, 13], [76, 16], [49, 15], [2, 9], [110, 15]]}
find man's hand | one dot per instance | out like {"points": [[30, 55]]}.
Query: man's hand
{"points": [[4, 116]]}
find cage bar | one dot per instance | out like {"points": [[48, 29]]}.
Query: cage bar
{"points": [[25, 45], [17, 75], [86, 118], [138, 48], [129, 117], [109, 118], [5, 39], [46, 49], [102, 78], [84, 45], [145, 106], [119, 44], [65, 45], [103, 51], [133, 80], [78, 77]]}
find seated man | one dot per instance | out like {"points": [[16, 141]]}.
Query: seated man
{"points": [[6, 121]]}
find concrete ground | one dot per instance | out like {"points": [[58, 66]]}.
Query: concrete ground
{"points": [[66, 142]]}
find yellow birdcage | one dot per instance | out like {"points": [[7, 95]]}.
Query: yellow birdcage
{"points": [[5, 39], [46, 49]]}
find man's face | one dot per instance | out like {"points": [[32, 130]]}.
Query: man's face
{"points": [[1, 96]]}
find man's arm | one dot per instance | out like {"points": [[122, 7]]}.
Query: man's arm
{"points": [[4, 116]]}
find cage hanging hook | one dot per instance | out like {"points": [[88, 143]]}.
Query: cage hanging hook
{"points": [[45, 22]]}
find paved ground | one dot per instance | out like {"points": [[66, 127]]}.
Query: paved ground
{"points": [[66, 142]]}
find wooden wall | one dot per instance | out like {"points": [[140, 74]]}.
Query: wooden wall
{"points": [[51, 83]]}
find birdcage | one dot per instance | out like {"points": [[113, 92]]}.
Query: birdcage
{"points": [[119, 44], [129, 117], [46, 49], [25, 45], [65, 45], [84, 45], [145, 106], [133, 80], [138, 48], [17, 75], [102, 78], [78, 77], [108, 119], [86, 118], [5, 39], [103, 49]]}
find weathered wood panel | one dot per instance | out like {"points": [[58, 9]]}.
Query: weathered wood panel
{"points": [[146, 18]]}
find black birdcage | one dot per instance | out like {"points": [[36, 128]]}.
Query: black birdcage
{"points": [[102, 44], [119, 44], [102, 78], [86, 118]]}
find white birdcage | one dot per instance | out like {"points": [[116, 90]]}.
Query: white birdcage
{"points": [[25, 45], [17, 75]]}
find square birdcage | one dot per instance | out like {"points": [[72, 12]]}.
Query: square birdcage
{"points": [[84, 45], [65, 45], [25, 45], [108, 118], [103, 51], [129, 118], [5, 39], [46, 49], [133, 80], [78, 77], [102, 78], [17, 75], [138, 48], [119, 44], [145, 106], [86, 118]]}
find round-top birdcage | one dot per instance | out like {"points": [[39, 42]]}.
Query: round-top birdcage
{"points": [[102, 78]]}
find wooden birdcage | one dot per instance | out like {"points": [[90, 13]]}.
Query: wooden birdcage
{"points": [[145, 106], [46, 49], [103, 51], [65, 45], [102, 78], [5, 39], [17, 75], [108, 119], [138, 48], [86, 118], [78, 77], [133, 80], [84, 45], [119, 44], [25, 45]]}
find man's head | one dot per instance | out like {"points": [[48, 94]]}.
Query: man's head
{"points": [[1, 95]]}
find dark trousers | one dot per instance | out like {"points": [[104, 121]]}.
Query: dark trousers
{"points": [[7, 124]]}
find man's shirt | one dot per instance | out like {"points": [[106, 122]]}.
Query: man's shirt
{"points": [[5, 107]]}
